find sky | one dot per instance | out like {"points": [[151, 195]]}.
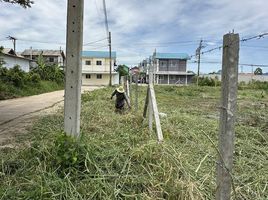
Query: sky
{"points": [[139, 27]]}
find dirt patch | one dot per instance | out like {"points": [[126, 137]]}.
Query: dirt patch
{"points": [[14, 133]]}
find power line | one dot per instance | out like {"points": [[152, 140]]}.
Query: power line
{"points": [[89, 43], [242, 40], [99, 47], [44, 42], [240, 64]]}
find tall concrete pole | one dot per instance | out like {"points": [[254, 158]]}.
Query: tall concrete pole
{"points": [[110, 55], [198, 62], [73, 72], [227, 115], [150, 106]]}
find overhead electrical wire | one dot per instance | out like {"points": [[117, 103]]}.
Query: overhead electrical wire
{"points": [[89, 43], [240, 64]]}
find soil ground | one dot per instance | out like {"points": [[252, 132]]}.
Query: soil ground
{"points": [[18, 115]]}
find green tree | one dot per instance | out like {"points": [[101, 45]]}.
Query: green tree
{"points": [[258, 71], [123, 70], [41, 67], [23, 3]]}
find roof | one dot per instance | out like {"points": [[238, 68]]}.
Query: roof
{"points": [[182, 56], [10, 52], [37, 52], [98, 54]]}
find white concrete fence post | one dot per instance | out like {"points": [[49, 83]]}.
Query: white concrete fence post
{"points": [[227, 115]]}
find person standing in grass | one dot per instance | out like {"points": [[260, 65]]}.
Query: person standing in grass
{"points": [[120, 98]]}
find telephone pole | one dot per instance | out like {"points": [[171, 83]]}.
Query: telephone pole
{"points": [[13, 41], [110, 54], [109, 40], [198, 54]]}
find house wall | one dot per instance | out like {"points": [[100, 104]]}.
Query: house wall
{"points": [[58, 60], [171, 65], [174, 79], [115, 79], [11, 61], [94, 81], [105, 67], [242, 77]]}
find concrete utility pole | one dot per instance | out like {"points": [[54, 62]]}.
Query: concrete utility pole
{"points": [[150, 106], [13, 41], [198, 53], [227, 115], [110, 55], [73, 72]]}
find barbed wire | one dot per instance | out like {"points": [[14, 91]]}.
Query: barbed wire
{"points": [[259, 36]]}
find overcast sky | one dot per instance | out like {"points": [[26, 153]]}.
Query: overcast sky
{"points": [[140, 26]]}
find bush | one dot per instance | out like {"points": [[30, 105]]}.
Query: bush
{"points": [[253, 85], [35, 78], [207, 81], [15, 82]]}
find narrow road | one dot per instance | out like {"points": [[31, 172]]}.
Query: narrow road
{"points": [[15, 108], [18, 114]]}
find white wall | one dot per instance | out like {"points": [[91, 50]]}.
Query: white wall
{"points": [[105, 67], [242, 77], [11, 61], [115, 79]]}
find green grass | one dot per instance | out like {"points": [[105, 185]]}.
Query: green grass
{"points": [[10, 91], [117, 157]]}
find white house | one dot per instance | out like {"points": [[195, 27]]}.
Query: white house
{"points": [[96, 68], [8, 58]]}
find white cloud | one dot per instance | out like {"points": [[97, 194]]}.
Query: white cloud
{"points": [[138, 26]]}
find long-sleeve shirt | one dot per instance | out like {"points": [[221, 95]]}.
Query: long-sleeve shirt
{"points": [[120, 99]]}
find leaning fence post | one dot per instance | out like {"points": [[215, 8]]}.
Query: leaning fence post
{"points": [[227, 115]]}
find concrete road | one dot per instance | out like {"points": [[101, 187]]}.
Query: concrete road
{"points": [[16, 108]]}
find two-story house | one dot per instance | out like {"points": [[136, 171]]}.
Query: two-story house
{"points": [[51, 57], [96, 68], [171, 68]]}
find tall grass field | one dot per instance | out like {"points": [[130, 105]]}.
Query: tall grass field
{"points": [[117, 157]]}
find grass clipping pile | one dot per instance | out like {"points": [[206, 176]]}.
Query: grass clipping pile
{"points": [[117, 158]]}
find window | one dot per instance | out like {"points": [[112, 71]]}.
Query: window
{"points": [[98, 62], [99, 76], [88, 76], [161, 77], [51, 59], [88, 62]]}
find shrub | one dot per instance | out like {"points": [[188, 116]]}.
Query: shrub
{"points": [[207, 81], [35, 78]]}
